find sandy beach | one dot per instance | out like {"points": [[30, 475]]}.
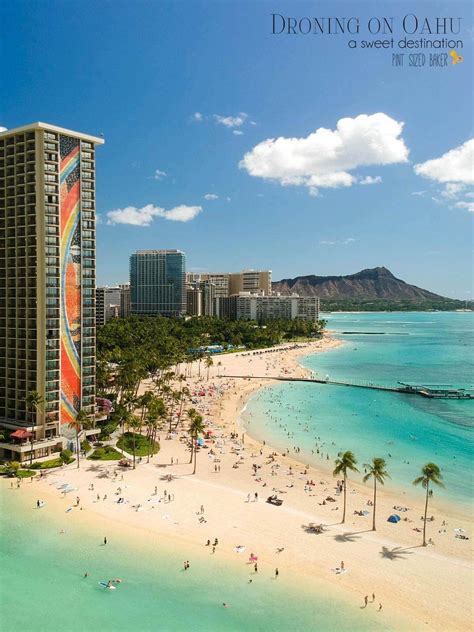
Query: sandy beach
{"points": [[422, 588]]}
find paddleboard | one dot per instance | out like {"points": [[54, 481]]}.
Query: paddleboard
{"points": [[104, 584]]}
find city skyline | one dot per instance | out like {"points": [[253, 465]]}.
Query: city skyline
{"points": [[207, 175]]}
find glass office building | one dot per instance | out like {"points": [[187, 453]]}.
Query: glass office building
{"points": [[157, 283]]}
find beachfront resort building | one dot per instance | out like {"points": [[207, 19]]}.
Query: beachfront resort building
{"points": [[158, 283], [47, 286], [259, 307], [229, 283], [200, 298], [124, 300], [108, 301]]}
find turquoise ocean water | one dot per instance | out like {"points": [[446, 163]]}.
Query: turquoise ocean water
{"points": [[42, 587], [407, 430]]}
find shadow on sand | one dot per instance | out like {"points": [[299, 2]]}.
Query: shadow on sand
{"points": [[397, 553]]}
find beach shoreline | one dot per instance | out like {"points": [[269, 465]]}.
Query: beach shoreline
{"points": [[232, 485]]}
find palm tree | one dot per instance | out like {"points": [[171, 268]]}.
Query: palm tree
{"points": [[377, 470], [208, 362], [345, 461], [134, 425], [430, 473], [33, 402], [196, 427], [82, 419], [191, 415], [144, 401], [151, 422]]}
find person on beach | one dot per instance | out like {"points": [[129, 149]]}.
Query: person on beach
{"points": [[255, 567], [373, 597], [105, 540], [86, 574], [277, 573], [380, 607], [342, 565], [366, 601]]}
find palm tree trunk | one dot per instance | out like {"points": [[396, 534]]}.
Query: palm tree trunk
{"points": [[195, 459], [192, 449], [31, 453], [149, 444], [344, 510], [426, 512], [133, 435], [375, 503], [78, 447]]}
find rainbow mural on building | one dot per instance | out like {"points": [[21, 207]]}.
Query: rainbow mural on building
{"points": [[70, 232]]}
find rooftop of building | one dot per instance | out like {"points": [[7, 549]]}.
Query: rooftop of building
{"points": [[158, 252], [52, 128]]}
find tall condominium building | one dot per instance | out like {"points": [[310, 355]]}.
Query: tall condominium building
{"points": [[248, 306], [124, 300], [220, 280], [250, 281], [229, 283], [157, 282], [200, 298], [47, 285], [107, 304]]}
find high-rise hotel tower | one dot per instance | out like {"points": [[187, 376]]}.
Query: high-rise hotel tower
{"points": [[47, 285]]}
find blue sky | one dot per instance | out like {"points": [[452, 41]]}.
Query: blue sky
{"points": [[139, 71]]}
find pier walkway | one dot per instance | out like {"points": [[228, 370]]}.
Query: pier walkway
{"points": [[433, 391]]}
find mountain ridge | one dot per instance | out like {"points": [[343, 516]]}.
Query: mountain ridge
{"points": [[370, 284]]}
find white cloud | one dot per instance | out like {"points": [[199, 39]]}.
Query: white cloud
{"points": [[452, 190], [337, 242], [182, 213], [325, 158], [467, 205], [421, 193], [211, 196], [370, 180], [253, 123], [3, 129], [230, 121], [197, 117], [159, 175], [237, 132], [144, 216], [455, 165], [455, 170]]}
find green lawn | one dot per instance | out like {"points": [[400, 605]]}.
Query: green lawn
{"points": [[141, 444], [108, 453], [44, 465], [25, 473]]}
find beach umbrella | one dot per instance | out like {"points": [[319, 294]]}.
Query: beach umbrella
{"points": [[394, 518]]}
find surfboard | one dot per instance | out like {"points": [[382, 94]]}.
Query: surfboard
{"points": [[104, 584]]}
